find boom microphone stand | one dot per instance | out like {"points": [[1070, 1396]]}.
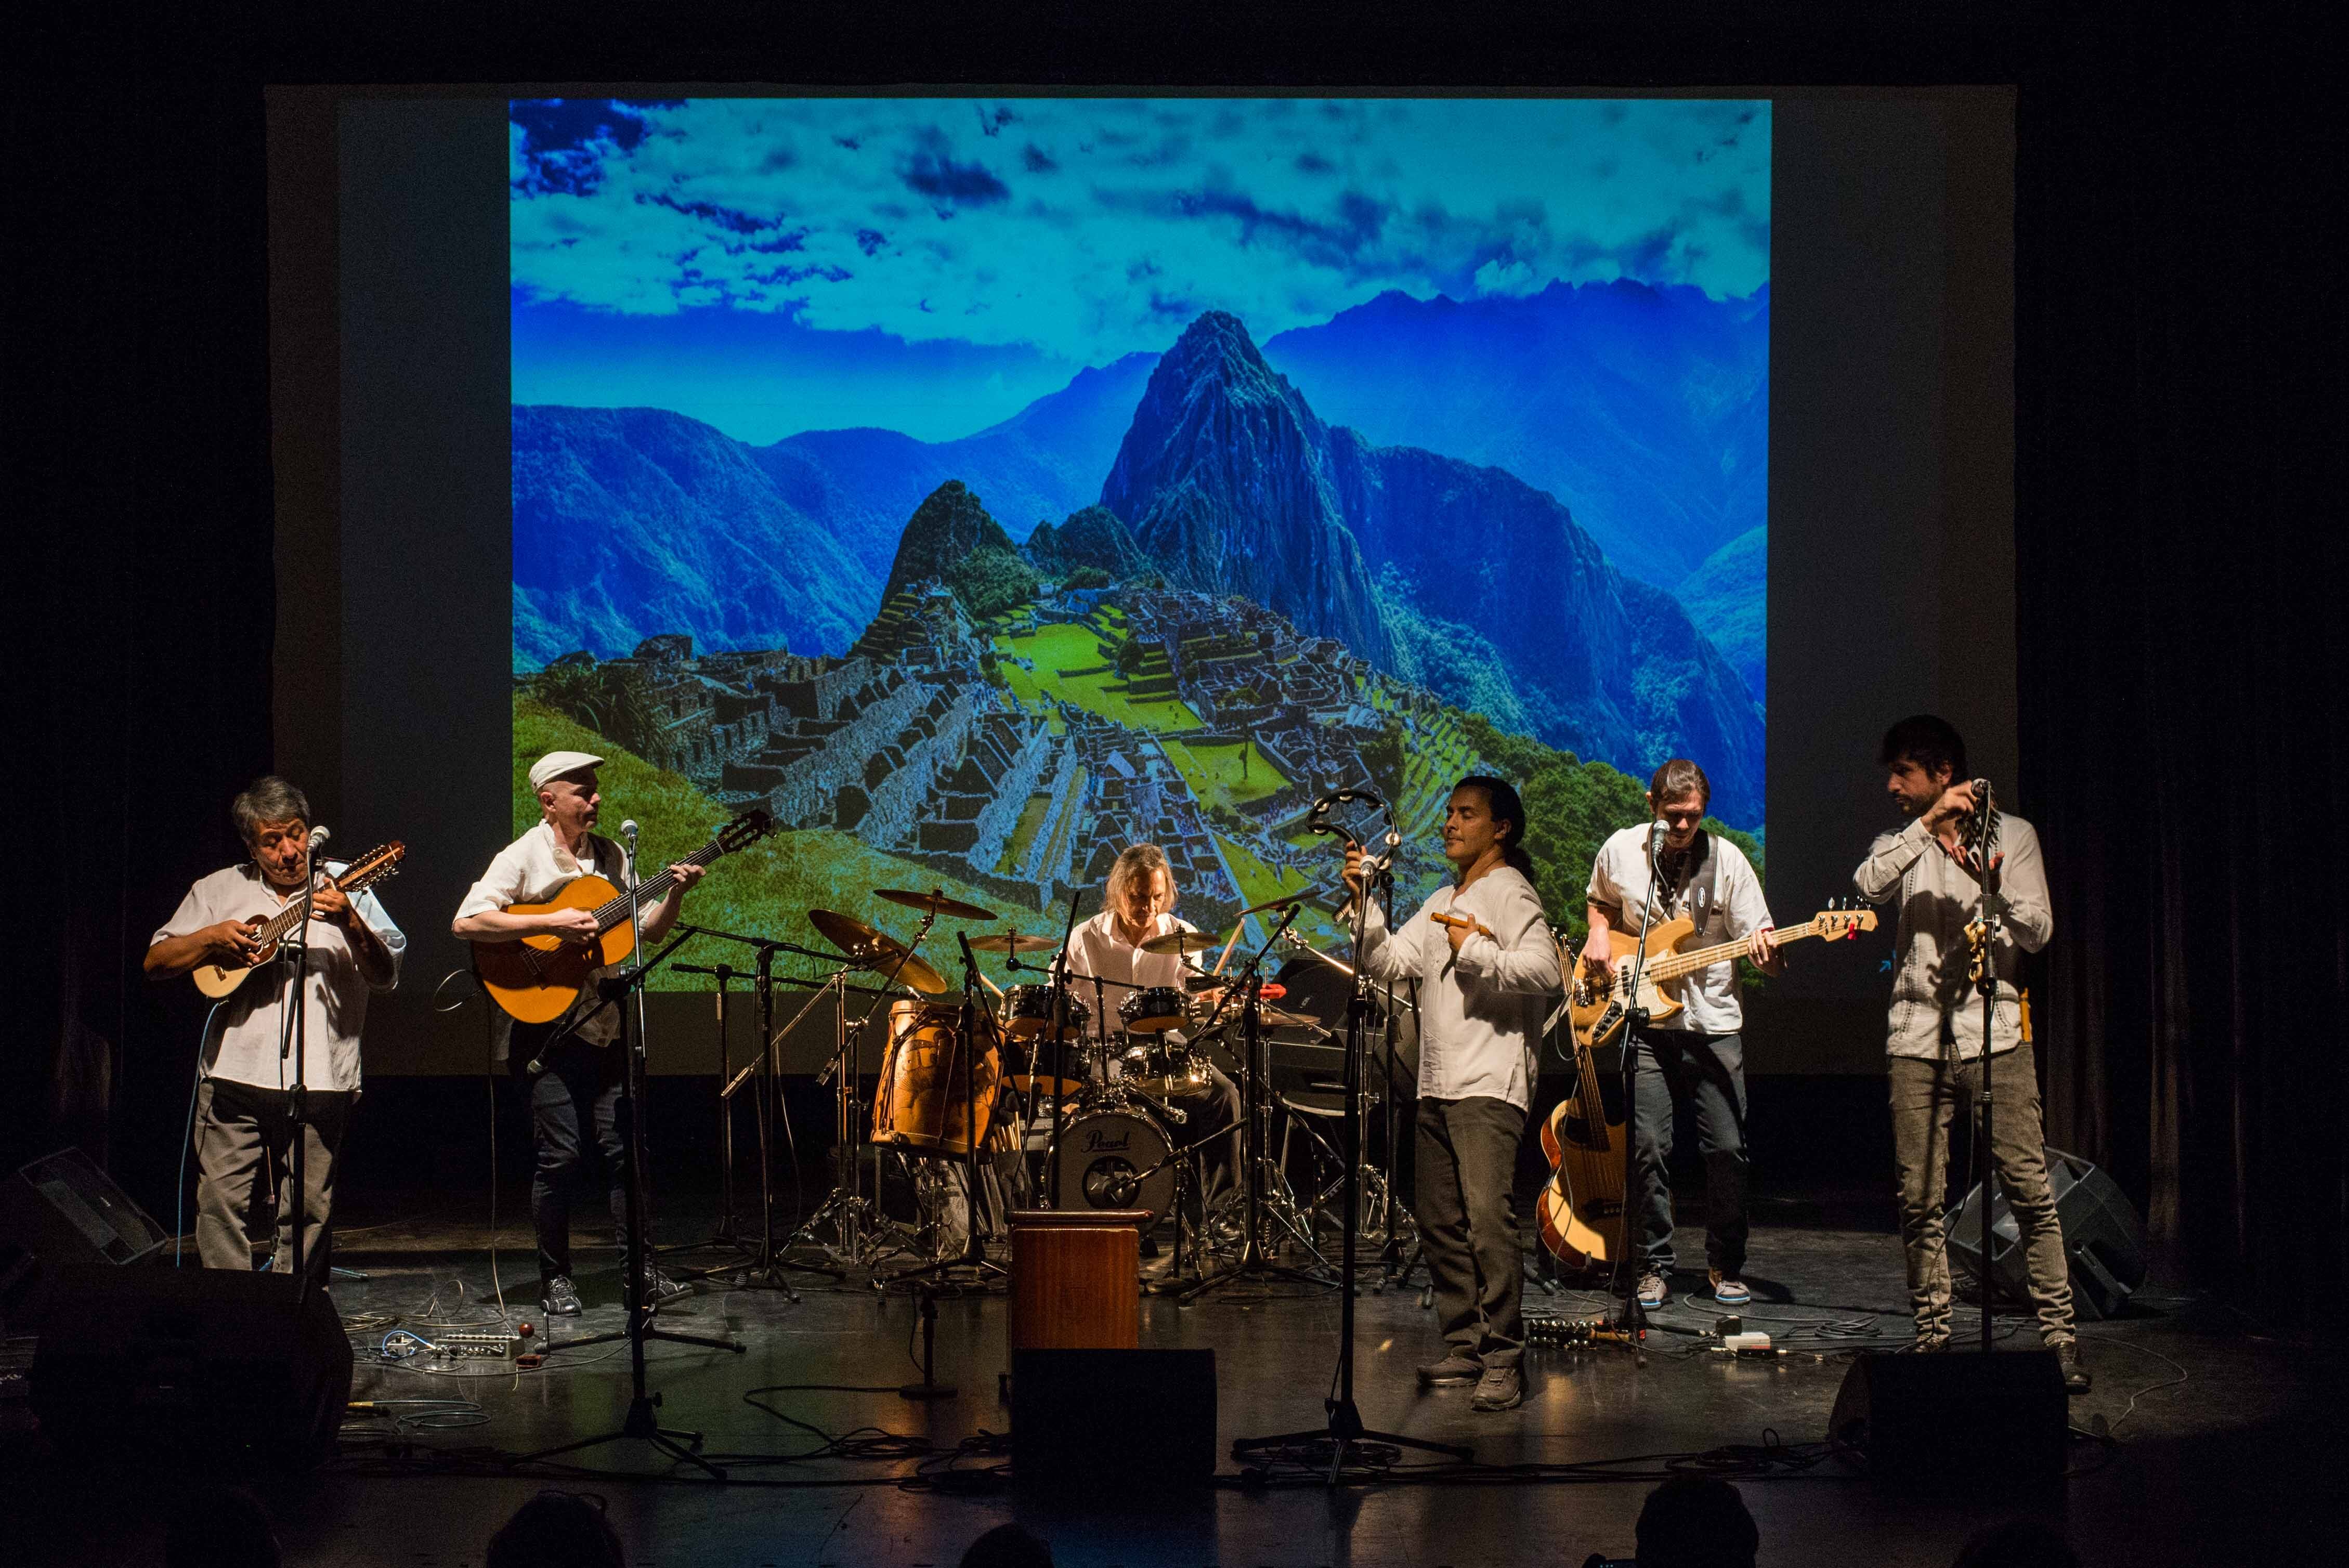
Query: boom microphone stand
{"points": [[293, 1036], [1345, 1427]]}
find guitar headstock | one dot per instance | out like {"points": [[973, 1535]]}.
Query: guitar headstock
{"points": [[744, 830], [374, 866], [1839, 924]]}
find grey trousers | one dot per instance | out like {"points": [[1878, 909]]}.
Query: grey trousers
{"points": [[1926, 1093], [244, 1171], [1708, 1072], [1467, 1157]]}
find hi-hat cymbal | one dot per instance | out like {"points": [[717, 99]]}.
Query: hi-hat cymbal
{"points": [[1186, 942], [936, 903], [1011, 941], [876, 951]]}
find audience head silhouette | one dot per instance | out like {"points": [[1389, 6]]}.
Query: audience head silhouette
{"points": [[1008, 1546], [558, 1529], [223, 1527], [1696, 1522], [2018, 1543]]}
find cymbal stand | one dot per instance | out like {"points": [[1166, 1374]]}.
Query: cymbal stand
{"points": [[1253, 1261], [857, 1226]]}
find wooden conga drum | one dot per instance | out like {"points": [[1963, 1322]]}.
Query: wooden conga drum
{"points": [[1076, 1279]]}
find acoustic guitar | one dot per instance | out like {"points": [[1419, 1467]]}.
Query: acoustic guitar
{"points": [[1597, 1009], [217, 980], [537, 978], [1579, 1211]]}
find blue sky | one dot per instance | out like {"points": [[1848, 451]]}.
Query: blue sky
{"points": [[931, 265]]}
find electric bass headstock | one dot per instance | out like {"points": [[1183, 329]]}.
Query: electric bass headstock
{"points": [[1841, 922]]}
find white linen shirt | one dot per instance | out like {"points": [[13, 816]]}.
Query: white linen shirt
{"points": [[1934, 1004], [533, 870], [1721, 896], [1481, 1009], [241, 1036], [1096, 948]]}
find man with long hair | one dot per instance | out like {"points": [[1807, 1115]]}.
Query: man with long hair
{"points": [[1694, 1057], [1485, 962]]}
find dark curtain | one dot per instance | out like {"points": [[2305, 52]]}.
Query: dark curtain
{"points": [[2179, 473], [2182, 574]]}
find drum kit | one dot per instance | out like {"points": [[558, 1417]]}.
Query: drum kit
{"points": [[1003, 1096]]}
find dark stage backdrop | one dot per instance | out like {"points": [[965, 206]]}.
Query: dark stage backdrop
{"points": [[2178, 474]]}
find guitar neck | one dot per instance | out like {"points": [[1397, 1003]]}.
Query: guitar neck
{"points": [[274, 928], [1680, 963], [653, 889]]}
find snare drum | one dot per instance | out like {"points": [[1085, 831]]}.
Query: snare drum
{"points": [[919, 1104], [1153, 1011], [1104, 1155]]}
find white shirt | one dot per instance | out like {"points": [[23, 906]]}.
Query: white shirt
{"points": [[533, 870], [241, 1037], [1934, 1003], [1721, 894], [1481, 1009], [1095, 948]]}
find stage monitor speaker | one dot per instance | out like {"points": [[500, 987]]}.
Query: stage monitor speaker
{"points": [[2103, 1242], [1957, 1417], [202, 1367], [1124, 1420], [62, 1217]]}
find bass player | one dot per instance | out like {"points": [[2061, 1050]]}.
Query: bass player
{"points": [[1696, 1056], [574, 1084]]}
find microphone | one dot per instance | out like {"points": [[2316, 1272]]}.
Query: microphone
{"points": [[1656, 831], [318, 836]]}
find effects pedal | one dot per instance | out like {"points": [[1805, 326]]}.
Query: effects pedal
{"points": [[479, 1346]]}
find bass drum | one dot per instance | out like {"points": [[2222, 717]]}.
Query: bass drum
{"points": [[1104, 1157]]}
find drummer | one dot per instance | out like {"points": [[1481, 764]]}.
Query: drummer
{"points": [[1138, 903]]}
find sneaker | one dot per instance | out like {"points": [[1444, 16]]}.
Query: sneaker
{"points": [[1654, 1292], [1729, 1290], [659, 1287], [557, 1297], [1932, 1345], [2075, 1372], [1452, 1369], [1501, 1387]]}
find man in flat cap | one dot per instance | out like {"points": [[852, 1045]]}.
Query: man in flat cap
{"points": [[573, 1083]]}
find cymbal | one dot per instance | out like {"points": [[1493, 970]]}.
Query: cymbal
{"points": [[1185, 942], [1282, 903], [876, 951], [1012, 941], [936, 903]]}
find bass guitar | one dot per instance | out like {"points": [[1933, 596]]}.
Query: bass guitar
{"points": [[1597, 1009], [537, 978], [217, 980]]}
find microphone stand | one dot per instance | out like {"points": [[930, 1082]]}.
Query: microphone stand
{"points": [[1993, 919], [294, 1036], [1050, 1196], [640, 1424], [1344, 1428], [1631, 1321]]}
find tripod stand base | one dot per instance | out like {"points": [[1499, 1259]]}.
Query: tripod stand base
{"points": [[1344, 1430], [641, 1426]]}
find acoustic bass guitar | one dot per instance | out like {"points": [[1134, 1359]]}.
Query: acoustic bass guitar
{"points": [[217, 980], [1579, 1211], [536, 979], [1597, 1009]]}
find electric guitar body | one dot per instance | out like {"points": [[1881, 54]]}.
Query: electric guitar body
{"points": [[536, 979], [1597, 1013]]}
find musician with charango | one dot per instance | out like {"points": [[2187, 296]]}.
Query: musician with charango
{"points": [[575, 1080], [230, 932]]}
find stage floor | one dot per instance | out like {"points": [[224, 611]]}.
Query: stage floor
{"points": [[2225, 1444]]}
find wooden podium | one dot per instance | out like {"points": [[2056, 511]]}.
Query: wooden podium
{"points": [[1076, 1279]]}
